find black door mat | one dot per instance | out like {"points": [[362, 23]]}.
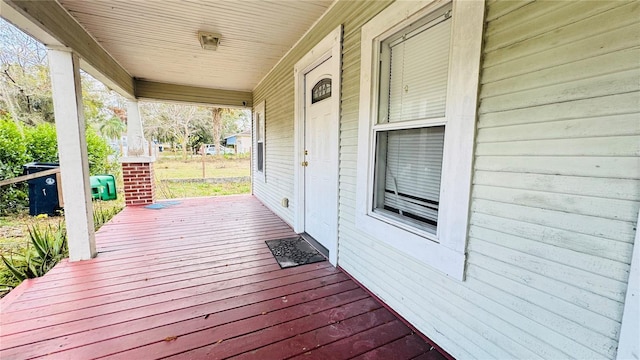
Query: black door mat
{"points": [[293, 252]]}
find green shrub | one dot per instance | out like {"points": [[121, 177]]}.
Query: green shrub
{"points": [[13, 152], [42, 146], [41, 143], [13, 156], [98, 152], [13, 199]]}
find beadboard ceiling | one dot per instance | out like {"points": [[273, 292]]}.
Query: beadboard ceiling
{"points": [[158, 40]]}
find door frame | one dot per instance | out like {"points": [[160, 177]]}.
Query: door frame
{"points": [[328, 48]]}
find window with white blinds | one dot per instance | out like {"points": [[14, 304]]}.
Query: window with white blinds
{"points": [[410, 129], [419, 77], [415, 66], [410, 186]]}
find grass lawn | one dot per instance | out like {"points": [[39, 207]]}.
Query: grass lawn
{"points": [[184, 190], [172, 167]]}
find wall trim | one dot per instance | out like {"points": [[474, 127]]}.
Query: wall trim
{"points": [[628, 346]]}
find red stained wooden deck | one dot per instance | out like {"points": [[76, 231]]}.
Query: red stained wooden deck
{"points": [[196, 280]]}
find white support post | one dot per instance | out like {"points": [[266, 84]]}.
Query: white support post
{"points": [[72, 148], [136, 146]]}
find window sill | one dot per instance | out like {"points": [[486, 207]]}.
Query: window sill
{"points": [[409, 225], [421, 248]]}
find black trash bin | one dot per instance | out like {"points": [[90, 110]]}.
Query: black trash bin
{"points": [[43, 191]]}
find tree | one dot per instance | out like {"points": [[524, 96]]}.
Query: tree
{"points": [[228, 122], [216, 114], [172, 122], [113, 129], [25, 87]]}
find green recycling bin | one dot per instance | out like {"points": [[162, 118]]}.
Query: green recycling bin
{"points": [[103, 187]]}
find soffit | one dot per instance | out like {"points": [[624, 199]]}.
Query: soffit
{"points": [[158, 40]]}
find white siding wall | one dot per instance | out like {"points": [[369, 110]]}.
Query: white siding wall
{"points": [[556, 188]]}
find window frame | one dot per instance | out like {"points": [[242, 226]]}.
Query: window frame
{"points": [[260, 126], [446, 250]]}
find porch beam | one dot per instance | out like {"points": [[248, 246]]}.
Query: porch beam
{"points": [[72, 150], [192, 94], [50, 18]]}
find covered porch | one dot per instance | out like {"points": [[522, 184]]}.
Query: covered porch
{"points": [[535, 254], [195, 279]]}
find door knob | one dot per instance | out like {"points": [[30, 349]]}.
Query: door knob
{"points": [[305, 163]]}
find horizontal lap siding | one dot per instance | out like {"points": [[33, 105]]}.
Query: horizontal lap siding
{"points": [[556, 188], [555, 197], [556, 183]]}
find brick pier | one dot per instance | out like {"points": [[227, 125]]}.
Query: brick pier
{"points": [[139, 187]]}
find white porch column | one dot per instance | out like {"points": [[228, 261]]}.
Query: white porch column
{"points": [[72, 148], [136, 146], [137, 164]]}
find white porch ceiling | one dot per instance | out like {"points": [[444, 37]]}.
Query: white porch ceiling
{"points": [[158, 40]]}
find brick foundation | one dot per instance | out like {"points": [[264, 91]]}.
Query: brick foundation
{"points": [[139, 185]]}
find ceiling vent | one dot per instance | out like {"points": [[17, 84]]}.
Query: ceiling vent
{"points": [[209, 41]]}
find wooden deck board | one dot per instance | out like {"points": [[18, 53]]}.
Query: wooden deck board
{"points": [[101, 286], [86, 320], [407, 347], [135, 290], [196, 280]]}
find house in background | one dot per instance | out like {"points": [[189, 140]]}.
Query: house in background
{"points": [[240, 142], [475, 165]]}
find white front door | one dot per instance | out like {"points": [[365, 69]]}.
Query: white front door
{"points": [[321, 157]]}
